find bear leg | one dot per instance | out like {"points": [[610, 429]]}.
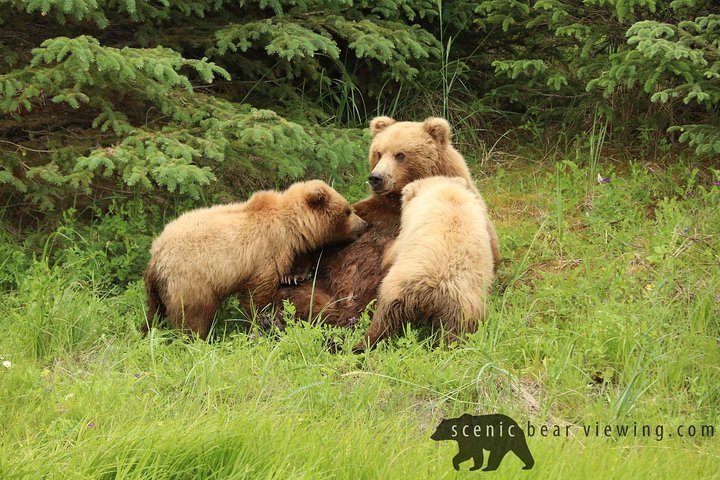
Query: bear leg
{"points": [[454, 324], [154, 299], [302, 269], [387, 320], [308, 302], [496, 457], [494, 245], [523, 452], [479, 458], [462, 456], [195, 318], [374, 334]]}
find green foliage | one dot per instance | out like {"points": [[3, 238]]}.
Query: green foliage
{"points": [[286, 40], [113, 248], [565, 59], [165, 120], [58, 313], [14, 261]]}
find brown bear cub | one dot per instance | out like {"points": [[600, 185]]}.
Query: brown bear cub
{"points": [[441, 264], [205, 255]]}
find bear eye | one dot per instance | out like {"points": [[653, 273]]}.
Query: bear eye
{"points": [[348, 211], [400, 156], [378, 155]]}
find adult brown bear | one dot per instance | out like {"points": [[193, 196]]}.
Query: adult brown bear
{"points": [[347, 277]]}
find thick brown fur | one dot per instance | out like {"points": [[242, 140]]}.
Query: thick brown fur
{"points": [[208, 254], [347, 277], [440, 266]]}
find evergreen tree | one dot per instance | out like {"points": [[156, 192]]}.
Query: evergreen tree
{"points": [[647, 65], [101, 95]]}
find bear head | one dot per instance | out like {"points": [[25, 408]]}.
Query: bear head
{"points": [[402, 152], [323, 215]]}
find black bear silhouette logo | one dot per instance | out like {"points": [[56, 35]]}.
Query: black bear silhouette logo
{"points": [[498, 434]]}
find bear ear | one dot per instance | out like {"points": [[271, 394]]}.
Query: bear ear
{"points": [[317, 198], [438, 129], [378, 124], [462, 182]]}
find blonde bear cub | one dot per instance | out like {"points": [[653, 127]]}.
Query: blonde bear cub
{"points": [[205, 255], [440, 266]]}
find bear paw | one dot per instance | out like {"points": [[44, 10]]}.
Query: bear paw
{"points": [[295, 279]]}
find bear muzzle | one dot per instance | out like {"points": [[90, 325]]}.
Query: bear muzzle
{"points": [[380, 183], [358, 226]]}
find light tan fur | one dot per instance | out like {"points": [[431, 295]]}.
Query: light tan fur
{"points": [[441, 265], [404, 151], [208, 254]]}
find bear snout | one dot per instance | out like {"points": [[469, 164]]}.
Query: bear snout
{"points": [[381, 183], [357, 226], [376, 181]]}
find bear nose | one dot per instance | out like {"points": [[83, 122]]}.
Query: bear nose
{"points": [[375, 180]]}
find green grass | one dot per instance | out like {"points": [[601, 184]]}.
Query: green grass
{"points": [[605, 310]]}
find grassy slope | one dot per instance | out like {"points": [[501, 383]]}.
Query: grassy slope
{"points": [[606, 310]]}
